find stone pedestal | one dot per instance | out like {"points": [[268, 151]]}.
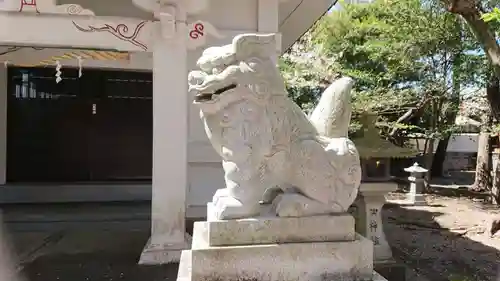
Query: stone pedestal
{"points": [[278, 249], [367, 209], [369, 222]]}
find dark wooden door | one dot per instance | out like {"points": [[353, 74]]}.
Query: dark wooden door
{"points": [[47, 127], [123, 127], [94, 128]]}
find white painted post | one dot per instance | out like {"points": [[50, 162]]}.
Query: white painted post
{"points": [[268, 11], [268, 20], [170, 133]]}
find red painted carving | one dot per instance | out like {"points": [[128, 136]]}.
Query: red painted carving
{"points": [[31, 3], [120, 31], [197, 31]]}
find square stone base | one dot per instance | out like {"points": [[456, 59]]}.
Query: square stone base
{"points": [[305, 261], [268, 230], [416, 199], [163, 254]]}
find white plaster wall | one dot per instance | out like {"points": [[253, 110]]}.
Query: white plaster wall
{"points": [[463, 143], [204, 179], [457, 143]]}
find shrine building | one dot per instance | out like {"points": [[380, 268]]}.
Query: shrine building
{"points": [[94, 103]]}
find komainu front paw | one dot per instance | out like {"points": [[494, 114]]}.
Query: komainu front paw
{"points": [[226, 207]]}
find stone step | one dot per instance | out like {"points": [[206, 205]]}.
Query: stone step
{"points": [[184, 273], [269, 230]]}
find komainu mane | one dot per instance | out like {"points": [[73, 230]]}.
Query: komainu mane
{"points": [[271, 151]]}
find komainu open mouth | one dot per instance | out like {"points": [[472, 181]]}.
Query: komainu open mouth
{"points": [[208, 96]]}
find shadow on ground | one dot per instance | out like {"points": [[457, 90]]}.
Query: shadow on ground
{"points": [[440, 254], [103, 243], [96, 267], [84, 242]]}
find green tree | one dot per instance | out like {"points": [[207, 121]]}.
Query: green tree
{"points": [[482, 17], [409, 55]]}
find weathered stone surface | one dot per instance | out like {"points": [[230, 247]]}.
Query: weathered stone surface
{"points": [[272, 262], [266, 141], [308, 260], [267, 230], [285, 174]]}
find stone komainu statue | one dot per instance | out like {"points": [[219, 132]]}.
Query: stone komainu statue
{"points": [[272, 152]]}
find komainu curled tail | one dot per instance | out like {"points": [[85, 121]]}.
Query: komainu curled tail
{"points": [[331, 119], [332, 115]]}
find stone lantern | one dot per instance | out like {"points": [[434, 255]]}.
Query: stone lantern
{"points": [[376, 154], [417, 183]]}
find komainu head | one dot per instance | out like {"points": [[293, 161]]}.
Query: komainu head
{"points": [[239, 71]]}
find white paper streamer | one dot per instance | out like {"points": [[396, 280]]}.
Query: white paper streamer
{"points": [[80, 64], [58, 71], [6, 63]]}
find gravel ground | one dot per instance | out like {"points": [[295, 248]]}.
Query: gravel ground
{"points": [[446, 240]]}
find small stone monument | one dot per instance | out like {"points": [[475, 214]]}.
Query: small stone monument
{"points": [[289, 178], [417, 182]]}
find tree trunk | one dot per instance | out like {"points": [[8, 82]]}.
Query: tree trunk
{"points": [[469, 11], [482, 180], [451, 115], [428, 158], [493, 96], [439, 158]]}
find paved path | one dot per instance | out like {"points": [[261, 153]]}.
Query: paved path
{"points": [[86, 256], [96, 267], [83, 242], [86, 242]]}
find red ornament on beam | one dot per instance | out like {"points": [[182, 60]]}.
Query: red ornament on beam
{"points": [[30, 3], [197, 31]]}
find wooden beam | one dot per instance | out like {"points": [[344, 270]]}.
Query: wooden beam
{"points": [[108, 33]]}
